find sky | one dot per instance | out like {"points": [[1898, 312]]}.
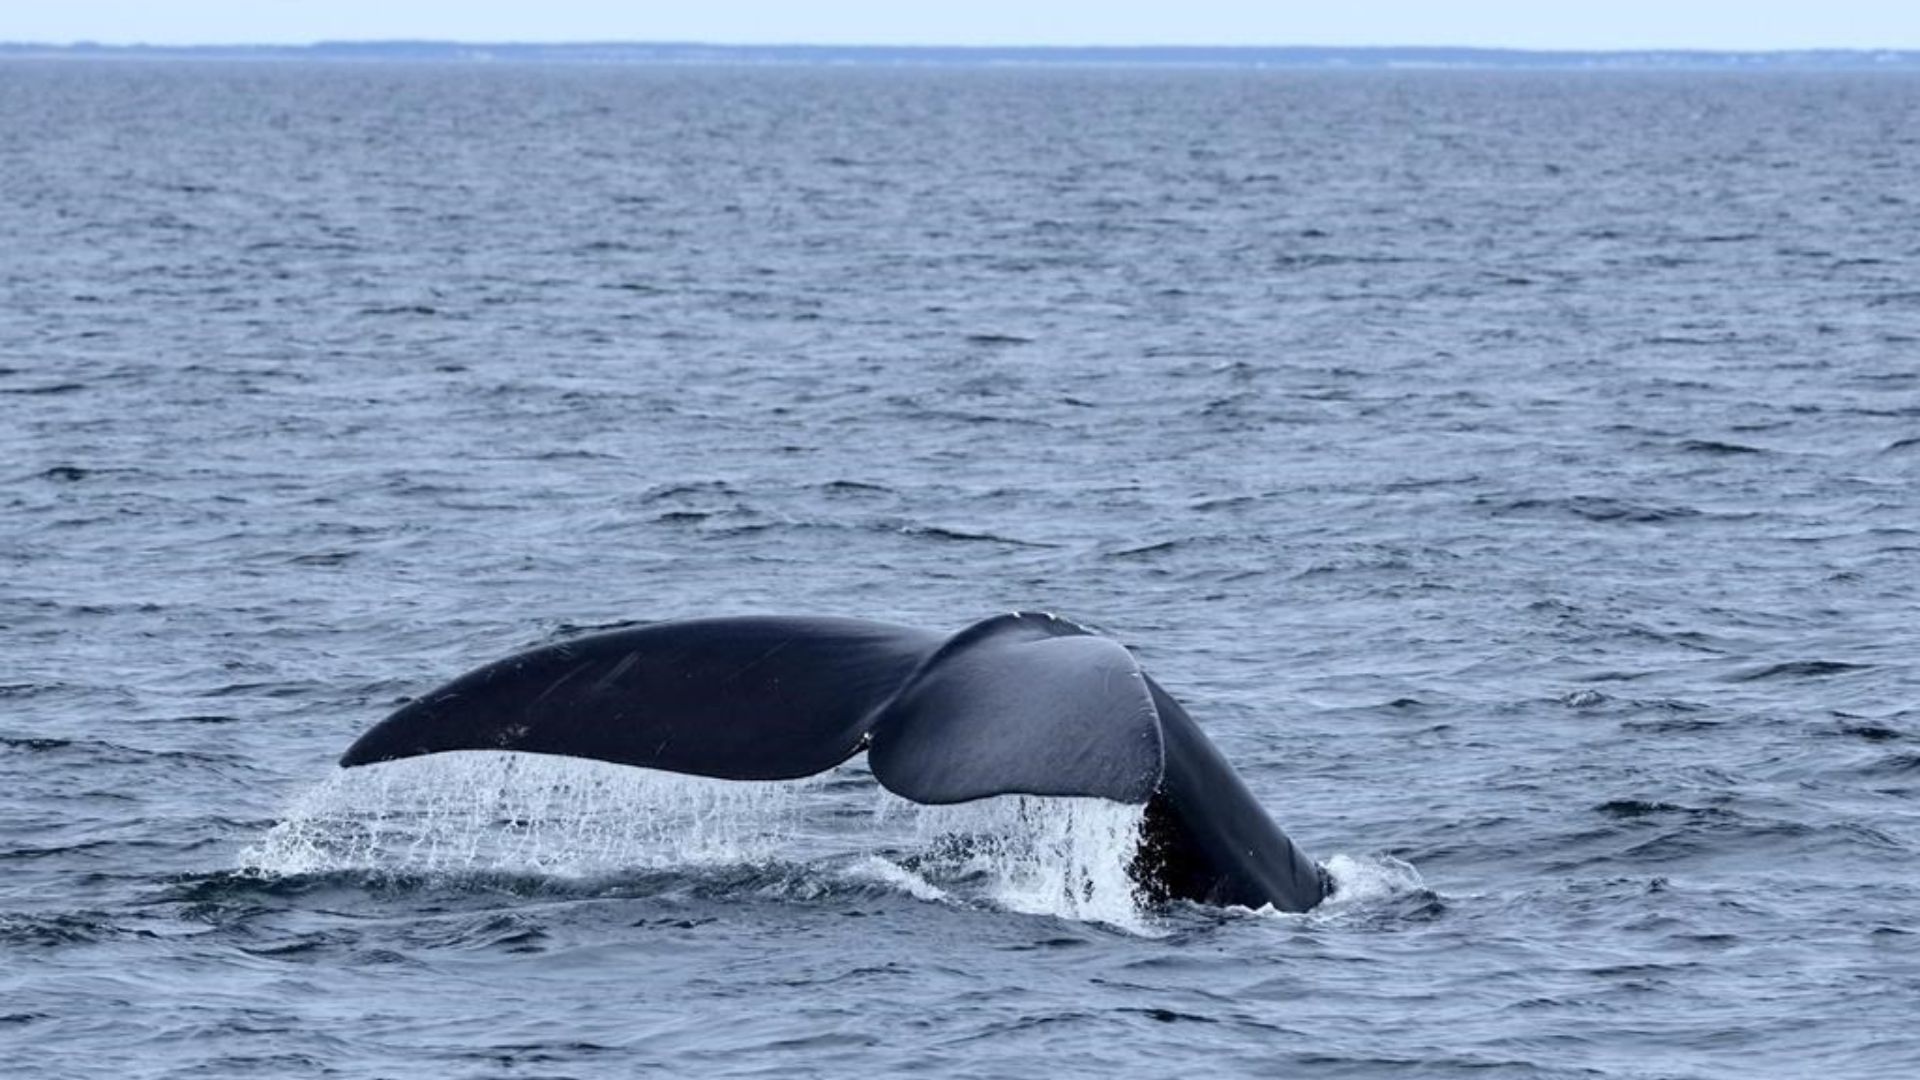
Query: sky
{"points": [[1529, 24]]}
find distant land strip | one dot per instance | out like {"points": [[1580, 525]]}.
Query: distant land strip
{"points": [[1305, 57]]}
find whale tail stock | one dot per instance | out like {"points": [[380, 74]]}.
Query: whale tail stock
{"points": [[1022, 703]]}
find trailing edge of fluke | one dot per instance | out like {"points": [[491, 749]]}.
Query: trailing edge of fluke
{"points": [[1025, 703]]}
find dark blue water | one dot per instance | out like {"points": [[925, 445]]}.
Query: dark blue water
{"points": [[1514, 473]]}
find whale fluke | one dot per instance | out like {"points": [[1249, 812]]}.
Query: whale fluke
{"points": [[760, 698], [1019, 704], [1026, 705]]}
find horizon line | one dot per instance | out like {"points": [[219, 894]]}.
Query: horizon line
{"points": [[646, 43]]}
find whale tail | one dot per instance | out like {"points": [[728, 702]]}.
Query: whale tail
{"points": [[1020, 704], [1017, 704]]}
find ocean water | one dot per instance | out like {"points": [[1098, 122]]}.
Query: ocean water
{"points": [[1515, 474]]}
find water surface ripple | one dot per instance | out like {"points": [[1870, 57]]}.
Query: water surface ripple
{"points": [[1515, 474]]}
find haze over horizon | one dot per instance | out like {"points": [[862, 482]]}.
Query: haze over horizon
{"points": [[1718, 25]]}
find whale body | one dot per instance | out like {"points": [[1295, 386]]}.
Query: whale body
{"points": [[1019, 704]]}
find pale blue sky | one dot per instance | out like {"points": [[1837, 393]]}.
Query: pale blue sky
{"points": [[1540, 24]]}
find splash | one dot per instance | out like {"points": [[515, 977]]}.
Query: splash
{"points": [[459, 813], [1067, 858], [884, 871], [515, 813]]}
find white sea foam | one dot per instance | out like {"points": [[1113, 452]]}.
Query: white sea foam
{"points": [[1369, 879]]}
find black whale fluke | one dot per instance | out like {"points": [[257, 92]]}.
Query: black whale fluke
{"points": [[1025, 704]]}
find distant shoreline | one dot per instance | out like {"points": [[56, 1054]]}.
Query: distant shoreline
{"points": [[1287, 57]]}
